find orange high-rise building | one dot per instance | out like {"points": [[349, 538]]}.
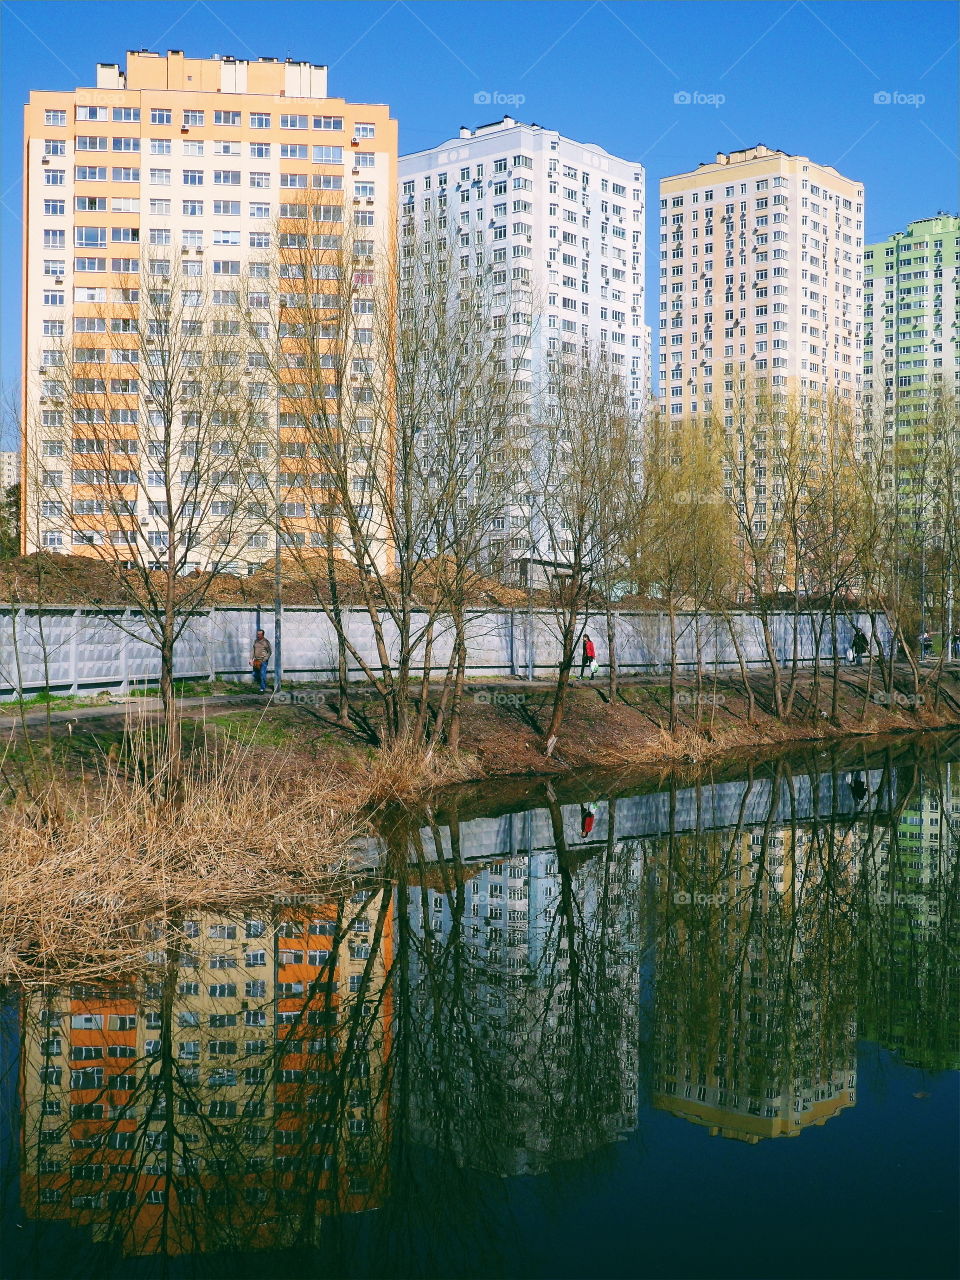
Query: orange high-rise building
{"points": [[171, 188]]}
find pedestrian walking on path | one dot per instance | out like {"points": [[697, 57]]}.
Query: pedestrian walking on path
{"points": [[259, 657], [589, 658]]}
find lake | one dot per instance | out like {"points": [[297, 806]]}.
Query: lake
{"points": [[593, 1027]]}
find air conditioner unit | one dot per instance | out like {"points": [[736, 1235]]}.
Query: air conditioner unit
{"points": [[58, 280], [45, 160]]}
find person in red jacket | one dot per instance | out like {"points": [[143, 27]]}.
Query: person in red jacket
{"points": [[589, 660], [587, 819]]}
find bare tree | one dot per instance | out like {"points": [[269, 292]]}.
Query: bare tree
{"points": [[145, 441], [400, 384], [683, 553], [582, 465]]}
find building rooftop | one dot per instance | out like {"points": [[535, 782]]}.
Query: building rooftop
{"points": [[220, 73], [510, 122]]}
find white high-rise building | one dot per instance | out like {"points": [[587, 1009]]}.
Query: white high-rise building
{"points": [[9, 469], [559, 227], [562, 218]]}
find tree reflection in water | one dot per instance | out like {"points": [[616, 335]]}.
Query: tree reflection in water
{"points": [[493, 1001]]}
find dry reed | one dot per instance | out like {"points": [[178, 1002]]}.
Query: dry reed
{"points": [[77, 889], [403, 770]]}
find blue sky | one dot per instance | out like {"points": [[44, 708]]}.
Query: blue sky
{"points": [[800, 75]]}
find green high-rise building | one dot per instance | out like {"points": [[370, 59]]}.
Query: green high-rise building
{"points": [[911, 331]]}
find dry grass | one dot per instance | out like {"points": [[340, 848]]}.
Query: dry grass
{"points": [[404, 770], [696, 745], [77, 889]]}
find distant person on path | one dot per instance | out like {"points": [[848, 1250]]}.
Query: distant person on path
{"points": [[589, 658], [926, 645], [259, 657], [955, 643], [860, 647]]}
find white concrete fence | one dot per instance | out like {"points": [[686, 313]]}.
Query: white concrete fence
{"points": [[87, 650]]}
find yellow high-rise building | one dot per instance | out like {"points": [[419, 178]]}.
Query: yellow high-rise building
{"points": [[171, 190], [761, 281]]}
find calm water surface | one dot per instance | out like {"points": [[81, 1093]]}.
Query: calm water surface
{"points": [[580, 1029]]}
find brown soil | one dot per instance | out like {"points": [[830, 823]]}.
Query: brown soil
{"points": [[503, 730], [52, 579], [506, 738]]}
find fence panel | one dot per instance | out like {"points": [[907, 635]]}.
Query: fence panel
{"points": [[85, 650]]}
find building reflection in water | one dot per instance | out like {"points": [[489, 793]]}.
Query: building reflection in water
{"points": [[497, 1001], [524, 991], [231, 1095]]}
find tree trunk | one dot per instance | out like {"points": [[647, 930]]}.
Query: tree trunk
{"points": [[673, 666], [563, 682], [744, 673], [167, 692], [774, 665], [343, 687], [453, 737], [817, 629], [423, 713], [435, 736], [795, 656], [612, 670], [837, 657]]}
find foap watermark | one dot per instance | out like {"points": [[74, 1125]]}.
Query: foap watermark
{"points": [[896, 699], [300, 698], [498, 699], [299, 899], [689, 698], [494, 98], [900, 899], [694, 497], [894, 98], [694, 98], [683, 899]]}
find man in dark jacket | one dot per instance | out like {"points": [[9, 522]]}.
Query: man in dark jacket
{"points": [[259, 657]]}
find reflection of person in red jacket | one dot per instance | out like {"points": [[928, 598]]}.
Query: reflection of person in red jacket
{"points": [[587, 820], [589, 659]]}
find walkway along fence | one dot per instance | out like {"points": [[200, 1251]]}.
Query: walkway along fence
{"points": [[84, 650]]}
